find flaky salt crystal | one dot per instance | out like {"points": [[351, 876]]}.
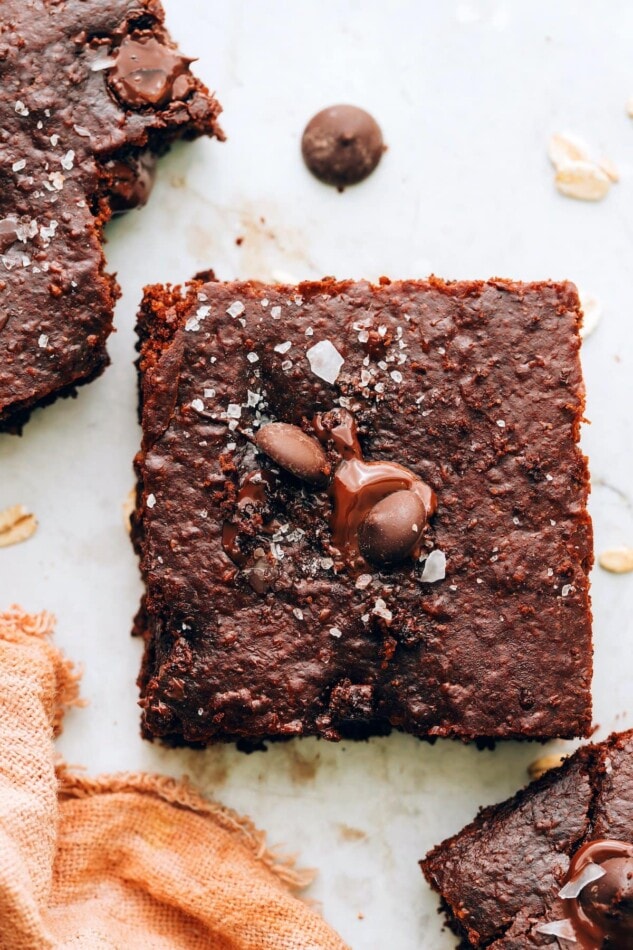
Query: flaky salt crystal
{"points": [[335, 632], [19, 165], [252, 357], [590, 872], [236, 309], [381, 610], [67, 160], [434, 567], [42, 341], [325, 360], [558, 928], [197, 404], [234, 410], [283, 347], [151, 500], [364, 581]]}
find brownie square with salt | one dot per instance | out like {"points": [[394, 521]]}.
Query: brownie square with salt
{"points": [[363, 507]]}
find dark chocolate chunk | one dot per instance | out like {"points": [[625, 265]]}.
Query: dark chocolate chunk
{"points": [[295, 451], [145, 71], [90, 92], [602, 913], [342, 145], [132, 181], [392, 528]]}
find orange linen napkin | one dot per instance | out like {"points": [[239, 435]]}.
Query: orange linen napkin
{"points": [[124, 861]]}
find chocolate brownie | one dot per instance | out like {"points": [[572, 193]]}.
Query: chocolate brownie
{"points": [[91, 92], [552, 866], [362, 508]]}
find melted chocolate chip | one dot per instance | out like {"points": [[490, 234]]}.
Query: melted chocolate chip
{"points": [[8, 233], [132, 180], [342, 145], [392, 528], [602, 914], [295, 451], [146, 72], [358, 486]]}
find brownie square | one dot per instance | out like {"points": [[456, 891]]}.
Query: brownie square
{"points": [[500, 879], [91, 92], [258, 623]]}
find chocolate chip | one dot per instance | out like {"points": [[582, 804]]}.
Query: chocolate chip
{"points": [[392, 528], [294, 451], [132, 180], [342, 145], [146, 71], [608, 902], [8, 233]]}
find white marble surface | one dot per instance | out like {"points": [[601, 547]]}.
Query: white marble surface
{"points": [[467, 94]]}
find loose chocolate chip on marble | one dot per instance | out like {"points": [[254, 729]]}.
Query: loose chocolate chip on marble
{"points": [[342, 145], [146, 72], [392, 528], [295, 451]]}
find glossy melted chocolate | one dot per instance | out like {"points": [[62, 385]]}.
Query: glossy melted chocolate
{"points": [[358, 485], [602, 914]]}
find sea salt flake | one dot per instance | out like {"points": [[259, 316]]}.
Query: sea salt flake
{"points": [[381, 610], [234, 410], [364, 581], [264, 302], [57, 180], [19, 165], [151, 500], [501, 423], [197, 404], [558, 928], [379, 387], [283, 347], [590, 872], [309, 331], [298, 613], [275, 312], [67, 160], [326, 563], [192, 324], [236, 309], [252, 399], [42, 341], [363, 336], [335, 632], [252, 357], [396, 375], [325, 360], [20, 108], [286, 365], [434, 567], [567, 589], [106, 62], [209, 393], [82, 131]]}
